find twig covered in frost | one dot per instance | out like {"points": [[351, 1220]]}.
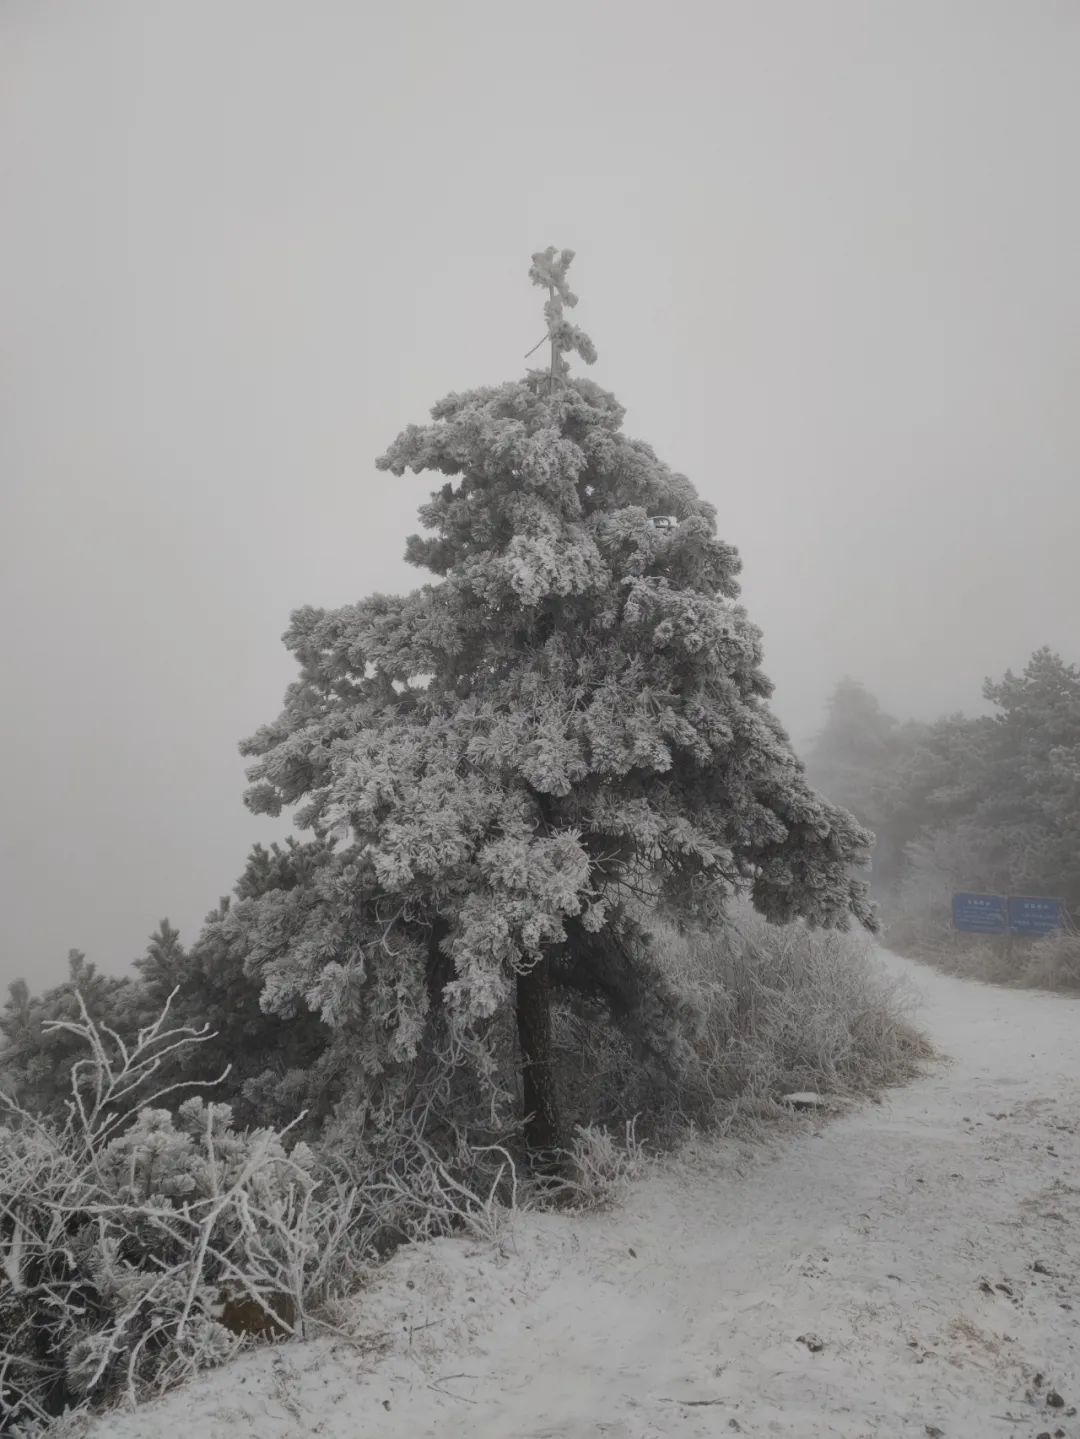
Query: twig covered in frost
{"points": [[128, 1228], [113, 1081]]}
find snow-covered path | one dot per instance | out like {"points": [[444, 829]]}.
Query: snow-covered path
{"points": [[931, 1243]]}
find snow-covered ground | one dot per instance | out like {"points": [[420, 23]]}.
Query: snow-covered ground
{"points": [[930, 1244]]}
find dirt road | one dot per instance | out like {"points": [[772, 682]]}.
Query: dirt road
{"points": [[930, 1244]]}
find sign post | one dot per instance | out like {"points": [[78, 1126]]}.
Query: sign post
{"points": [[1034, 916], [980, 913], [1030, 916]]}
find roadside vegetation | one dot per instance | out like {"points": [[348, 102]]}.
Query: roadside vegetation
{"points": [[988, 803]]}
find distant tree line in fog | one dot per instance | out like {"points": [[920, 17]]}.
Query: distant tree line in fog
{"points": [[989, 802]]}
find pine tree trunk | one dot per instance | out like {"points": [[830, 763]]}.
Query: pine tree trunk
{"points": [[542, 1126], [440, 969]]}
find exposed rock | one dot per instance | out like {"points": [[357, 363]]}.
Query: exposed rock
{"points": [[805, 1099]]}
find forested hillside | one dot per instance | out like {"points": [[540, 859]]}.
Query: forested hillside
{"points": [[987, 803]]}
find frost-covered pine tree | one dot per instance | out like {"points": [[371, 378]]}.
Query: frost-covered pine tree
{"points": [[568, 726]]}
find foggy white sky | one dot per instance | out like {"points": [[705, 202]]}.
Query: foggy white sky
{"points": [[828, 252]]}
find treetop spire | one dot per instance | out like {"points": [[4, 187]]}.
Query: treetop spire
{"points": [[548, 270]]}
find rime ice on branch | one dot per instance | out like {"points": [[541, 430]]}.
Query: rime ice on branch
{"points": [[568, 725], [549, 269]]}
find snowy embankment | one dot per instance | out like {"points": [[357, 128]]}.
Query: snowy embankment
{"points": [[908, 1269]]}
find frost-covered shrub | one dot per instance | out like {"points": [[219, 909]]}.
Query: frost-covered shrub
{"points": [[787, 1007], [1053, 963], [746, 1011], [36, 1053], [602, 1164], [269, 1067], [128, 1229]]}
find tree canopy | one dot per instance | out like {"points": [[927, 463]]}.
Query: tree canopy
{"points": [[569, 721]]}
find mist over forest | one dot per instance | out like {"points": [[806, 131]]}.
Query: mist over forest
{"points": [[986, 802], [540, 568], [846, 317]]}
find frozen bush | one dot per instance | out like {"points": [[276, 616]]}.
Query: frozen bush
{"points": [[759, 1009], [128, 1230], [1053, 963], [601, 1165]]}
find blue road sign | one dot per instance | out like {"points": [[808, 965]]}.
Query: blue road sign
{"points": [[1035, 916], [980, 913]]}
